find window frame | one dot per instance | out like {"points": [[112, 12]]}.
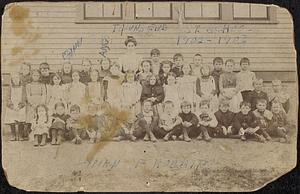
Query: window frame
{"points": [[252, 18], [154, 18], [202, 18]]}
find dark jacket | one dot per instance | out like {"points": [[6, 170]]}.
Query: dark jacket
{"points": [[216, 76], [244, 121], [84, 77], [224, 119], [254, 96], [177, 71], [279, 120], [46, 79], [65, 78], [156, 91], [189, 117]]}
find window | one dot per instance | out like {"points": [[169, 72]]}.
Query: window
{"points": [[149, 10], [196, 10], [96, 10], [249, 11]]}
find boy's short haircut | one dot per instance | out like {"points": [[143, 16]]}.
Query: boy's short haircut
{"points": [[261, 100], [155, 51], [276, 102], [198, 54], [229, 61], [171, 74], [105, 59], [130, 39], [244, 103], [168, 102], [166, 62], [177, 55], [218, 59], [204, 102], [244, 60], [44, 65], [224, 102], [146, 61], [148, 101], [186, 103], [59, 104], [75, 107], [116, 65], [258, 81], [276, 82]]}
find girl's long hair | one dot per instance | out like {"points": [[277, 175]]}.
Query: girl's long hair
{"points": [[36, 112]]}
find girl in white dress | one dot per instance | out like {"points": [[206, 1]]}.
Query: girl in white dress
{"points": [[94, 90], [171, 91], [56, 93], [16, 111]]}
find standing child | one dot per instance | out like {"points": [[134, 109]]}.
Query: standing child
{"points": [[94, 90], [279, 95], [245, 79], [153, 91], [36, 94], [56, 93], [16, 111], [178, 63], [263, 117], [146, 70], [257, 93], [206, 87], [279, 123], [66, 73], [58, 126], [189, 122], [228, 87], [225, 120], [131, 94], [40, 125], [147, 122], [171, 92], [165, 69], [25, 74], [113, 84], [187, 86], [46, 76], [167, 121], [85, 72], [155, 54], [104, 69], [245, 122], [207, 122], [217, 71], [197, 65], [76, 92]]}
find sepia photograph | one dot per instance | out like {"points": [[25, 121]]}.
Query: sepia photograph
{"points": [[147, 96]]}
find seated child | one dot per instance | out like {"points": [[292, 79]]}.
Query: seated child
{"points": [[94, 123], [189, 122], [58, 126], [126, 130], [225, 120], [279, 124], [246, 123], [263, 117], [167, 121], [146, 122], [76, 130], [257, 93], [207, 122], [279, 95]]}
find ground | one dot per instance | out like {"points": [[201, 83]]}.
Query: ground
{"points": [[221, 165]]}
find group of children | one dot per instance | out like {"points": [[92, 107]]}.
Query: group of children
{"points": [[165, 99]]}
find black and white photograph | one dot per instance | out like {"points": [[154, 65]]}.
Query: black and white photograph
{"points": [[147, 96]]}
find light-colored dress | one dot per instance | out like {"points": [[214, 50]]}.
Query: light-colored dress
{"points": [[14, 114], [130, 61], [208, 91], [56, 93], [41, 126], [131, 95], [245, 80], [172, 94], [76, 95], [114, 91], [187, 89]]}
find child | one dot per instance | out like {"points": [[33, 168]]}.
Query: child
{"points": [[207, 122], [131, 94], [130, 60], [146, 122], [127, 129], [279, 124], [165, 68], [58, 126], [245, 78], [154, 92], [85, 72], [245, 122], [187, 86], [279, 95], [15, 112], [46, 76], [189, 122], [217, 71], [146, 70], [257, 93], [171, 92], [155, 54], [76, 131], [104, 69], [228, 87], [95, 90], [225, 120], [66, 73], [36, 94], [178, 63], [167, 121], [94, 123], [206, 87], [197, 64], [56, 93], [41, 125], [113, 84], [25, 74], [76, 91], [263, 117]]}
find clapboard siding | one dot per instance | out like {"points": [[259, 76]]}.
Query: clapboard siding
{"points": [[270, 47]]}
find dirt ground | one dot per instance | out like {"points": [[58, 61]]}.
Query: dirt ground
{"points": [[221, 165]]}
